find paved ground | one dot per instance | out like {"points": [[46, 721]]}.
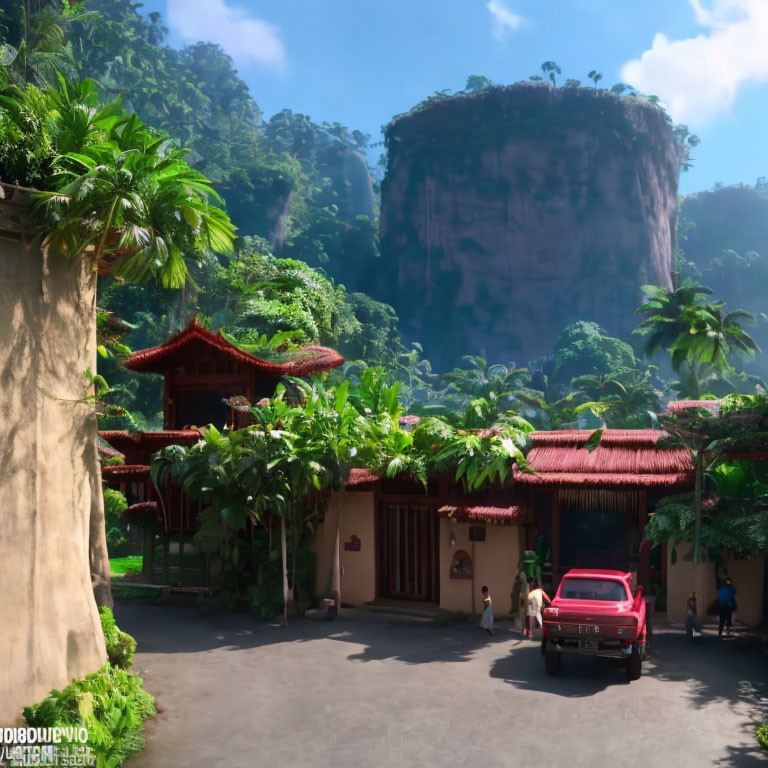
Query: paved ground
{"points": [[377, 691]]}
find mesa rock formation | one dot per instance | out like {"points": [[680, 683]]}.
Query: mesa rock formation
{"points": [[510, 213]]}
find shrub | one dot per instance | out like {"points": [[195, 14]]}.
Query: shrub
{"points": [[110, 703], [120, 645], [761, 731]]}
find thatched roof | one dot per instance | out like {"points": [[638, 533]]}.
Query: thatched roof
{"points": [[624, 459]]}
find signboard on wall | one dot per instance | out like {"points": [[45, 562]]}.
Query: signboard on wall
{"points": [[353, 545], [477, 533]]}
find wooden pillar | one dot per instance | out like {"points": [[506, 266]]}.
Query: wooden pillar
{"points": [[185, 504], [556, 539], [644, 559]]}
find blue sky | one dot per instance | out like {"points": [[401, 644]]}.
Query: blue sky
{"points": [[359, 62]]}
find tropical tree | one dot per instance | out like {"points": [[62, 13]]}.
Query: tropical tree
{"points": [[572, 83], [275, 468], [477, 83], [504, 386], [595, 76], [625, 399], [702, 338], [43, 50], [737, 425], [132, 206], [551, 69]]}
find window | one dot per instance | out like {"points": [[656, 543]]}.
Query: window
{"points": [[593, 589]]}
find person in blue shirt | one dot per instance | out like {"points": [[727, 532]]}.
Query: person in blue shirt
{"points": [[726, 604]]}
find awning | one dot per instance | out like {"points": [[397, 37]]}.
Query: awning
{"points": [[125, 472], [484, 514]]}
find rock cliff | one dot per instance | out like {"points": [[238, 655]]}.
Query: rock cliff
{"points": [[510, 213]]}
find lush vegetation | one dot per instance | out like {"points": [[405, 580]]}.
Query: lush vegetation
{"points": [[110, 703], [299, 448], [120, 645]]}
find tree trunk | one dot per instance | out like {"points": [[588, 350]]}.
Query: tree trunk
{"points": [[49, 478], [98, 555], [284, 554], [336, 584]]}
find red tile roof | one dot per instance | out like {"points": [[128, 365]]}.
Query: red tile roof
{"points": [[624, 458], [154, 360], [483, 514]]}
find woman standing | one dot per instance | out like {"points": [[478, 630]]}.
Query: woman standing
{"points": [[487, 621], [537, 597]]}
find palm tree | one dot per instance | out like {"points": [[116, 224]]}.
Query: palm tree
{"points": [[714, 337], [702, 338], [131, 204], [624, 398], [551, 69], [595, 76], [44, 50], [665, 312], [498, 384]]}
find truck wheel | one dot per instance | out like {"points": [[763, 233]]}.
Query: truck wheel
{"points": [[552, 662], [634, 665]]}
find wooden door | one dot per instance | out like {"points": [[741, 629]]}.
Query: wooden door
{"points": [[408, 551]]}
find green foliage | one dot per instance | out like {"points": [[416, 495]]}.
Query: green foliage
{"points": [[625, 399], [114, 505], [702, 338], [734, 521], [120, 645], [584, 348], [110, 703], [761, 733], [293, 451], [476, 83]]}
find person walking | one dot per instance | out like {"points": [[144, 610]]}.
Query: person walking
{"points": [[522, 602], [537, 597], [726, 605], [487, 621]]}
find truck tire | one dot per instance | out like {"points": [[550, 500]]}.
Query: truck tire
{"points": [[634, 665], [552, 662]]}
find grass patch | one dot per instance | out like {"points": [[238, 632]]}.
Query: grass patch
{"points": [[120, 566]]}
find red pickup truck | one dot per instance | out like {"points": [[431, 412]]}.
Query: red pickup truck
{"points": [[595, 612]]}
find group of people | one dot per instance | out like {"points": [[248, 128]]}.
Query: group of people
{"points": [[532, 599], [726, 605]]}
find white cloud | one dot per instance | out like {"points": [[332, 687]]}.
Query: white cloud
{"points": [[698, 78], [502, 19], [243, 37]]}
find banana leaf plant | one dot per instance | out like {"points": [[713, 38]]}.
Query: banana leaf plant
{"points": [[274, 468]]}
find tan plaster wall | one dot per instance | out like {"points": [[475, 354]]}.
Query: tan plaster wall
{"points": [[494, 561], [355, 513], [49, 478], [682, 580], [748, 578]]}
